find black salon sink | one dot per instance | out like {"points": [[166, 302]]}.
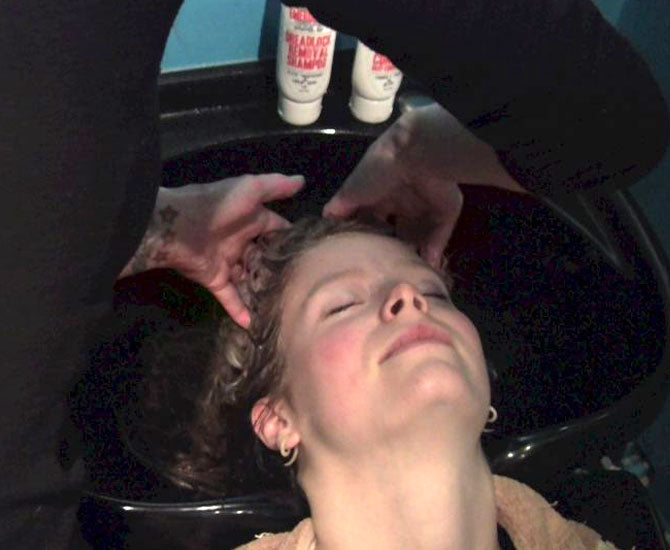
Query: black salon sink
{"points": [[568, 297], [571, 298], [565, 294]]}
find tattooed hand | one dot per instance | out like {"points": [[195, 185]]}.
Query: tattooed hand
{"points": [[202, 230]]}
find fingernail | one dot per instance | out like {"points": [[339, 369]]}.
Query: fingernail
{"points": [[297, 177]]}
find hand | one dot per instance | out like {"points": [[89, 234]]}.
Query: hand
{"points": [[202, 231], [409, 178]]}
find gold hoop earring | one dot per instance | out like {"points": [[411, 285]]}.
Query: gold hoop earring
{"points": [[286, 452], [493, 416]]}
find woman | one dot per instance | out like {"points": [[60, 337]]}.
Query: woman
{"points": [[360, 371]]}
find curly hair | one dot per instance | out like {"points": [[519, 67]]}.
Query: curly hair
{"points": [[215, 451]]}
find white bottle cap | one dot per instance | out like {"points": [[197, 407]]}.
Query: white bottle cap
{"points": [[370, 110], [299, 113]]}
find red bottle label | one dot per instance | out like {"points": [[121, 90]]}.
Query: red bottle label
{"points": [[302, 15], [382, 64], [307, 52]]}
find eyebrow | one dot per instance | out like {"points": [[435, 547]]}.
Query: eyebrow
{"points": [[357, 271]]}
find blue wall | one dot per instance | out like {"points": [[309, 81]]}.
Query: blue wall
{"points": [[611, 9], [646, 23], [220, 32], [214, 32]]}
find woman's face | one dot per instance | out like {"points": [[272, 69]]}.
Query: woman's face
{"points": [[375, 348]]}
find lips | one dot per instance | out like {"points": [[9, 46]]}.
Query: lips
{"points": [[415, 334]]}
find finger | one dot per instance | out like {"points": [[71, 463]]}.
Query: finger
{"points": [[340, 207], [273, 187], [274, 222], [436, 243], [359, 189], [264, 221], [354, 193], [377, 177], [438, 238], [230, 299]]}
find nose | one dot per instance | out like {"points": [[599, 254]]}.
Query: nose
{"points": [[403, 298]]}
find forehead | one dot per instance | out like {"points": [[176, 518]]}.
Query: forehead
{"points": [[352, 251]]}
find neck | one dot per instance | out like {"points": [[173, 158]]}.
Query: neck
{"points": [[399, 499]]}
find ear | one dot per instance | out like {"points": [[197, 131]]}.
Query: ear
{"points": [[273, 423]]}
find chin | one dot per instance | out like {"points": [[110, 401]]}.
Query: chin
{"points": [[443, 386]]}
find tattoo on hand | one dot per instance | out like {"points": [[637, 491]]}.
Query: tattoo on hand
{"points": [[153, 250], [168, 215]]}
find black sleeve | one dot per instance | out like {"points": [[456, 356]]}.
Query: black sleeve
{"points": [[80, 169], [559, 94]]}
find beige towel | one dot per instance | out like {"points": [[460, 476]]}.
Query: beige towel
{"points": [[532, 523], [529, 520], [301, 538]]}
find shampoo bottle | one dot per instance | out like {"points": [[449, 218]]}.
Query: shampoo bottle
{"points": [[304, 63], [374, 83]]}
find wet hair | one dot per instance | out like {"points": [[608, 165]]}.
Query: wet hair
{"points": [[213, 448]]}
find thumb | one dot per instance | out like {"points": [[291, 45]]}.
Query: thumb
{"points": [[230, 299], [436, 243], [439, 237]]}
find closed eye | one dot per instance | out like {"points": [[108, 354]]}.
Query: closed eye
{"points": [[438, 295], [339, 309]]}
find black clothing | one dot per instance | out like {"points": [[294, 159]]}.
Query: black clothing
{"points": [[80, 169], [562, 98], [550, 85]]}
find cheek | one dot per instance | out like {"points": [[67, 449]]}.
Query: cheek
{"points": [[473, 343], [337, 353], [468, 332], [332, 385], [336, 365]]}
